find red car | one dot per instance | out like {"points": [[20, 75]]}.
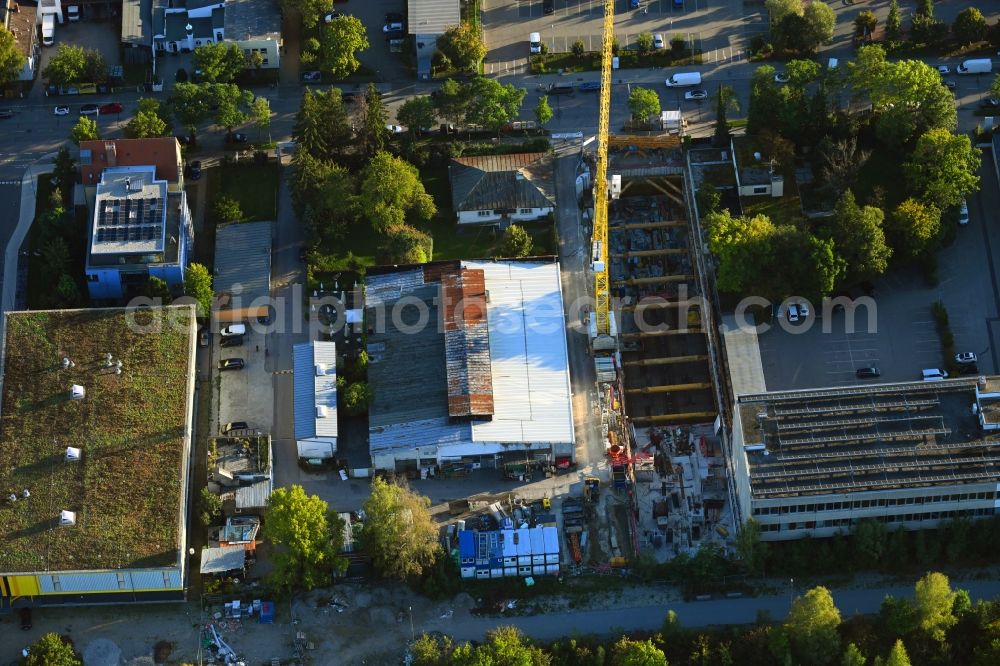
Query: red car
{"points": [[113, 107]]}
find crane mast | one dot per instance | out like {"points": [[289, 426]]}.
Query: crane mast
{"points": [[602, 293]]}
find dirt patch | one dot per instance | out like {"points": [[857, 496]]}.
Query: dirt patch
{"points": [[161, 651]]}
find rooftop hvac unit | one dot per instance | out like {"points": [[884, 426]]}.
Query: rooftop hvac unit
{"points": [[76, 392], [72, 453], [320, 369], [321, 411], [67, 517]]}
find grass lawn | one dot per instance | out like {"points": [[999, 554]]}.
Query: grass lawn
{"points": [[254, 185], [126, 489]]}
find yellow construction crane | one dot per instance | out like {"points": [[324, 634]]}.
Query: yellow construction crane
{"points": [[602, 293]]}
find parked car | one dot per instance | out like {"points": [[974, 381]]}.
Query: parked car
{"points": [[61, 110], [990, 102], [963, 213], [194, 170], [868, 373], [634, 4], [966, 357], [696, 94], [231, 341], [231, 364], [803, 310], [350, 96], [24, 614], [548, 6], [235, 425], [265, 319], [236, 137], [90, 110], [968, 369], [330, 16], [792, 314], [234, 329], [395, 26], [943, 70], [112, 107], [6, 113], [590, 86], [393, 17], [658, 42], [395, 129], [312, 77], [203, 337], [394, 35], [782, 77], [181, 76]]}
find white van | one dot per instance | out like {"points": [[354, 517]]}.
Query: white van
{"points": [[535, 42], [73, 13], [934, 375], [684, 80], [233, 329]]}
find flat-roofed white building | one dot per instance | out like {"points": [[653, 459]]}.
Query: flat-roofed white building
{"points": [[315, 399]]}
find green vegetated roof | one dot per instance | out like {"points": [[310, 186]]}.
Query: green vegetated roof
{"points": [[126, 489]]}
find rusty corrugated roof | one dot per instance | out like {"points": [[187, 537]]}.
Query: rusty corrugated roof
{"points": [[467, 344]]}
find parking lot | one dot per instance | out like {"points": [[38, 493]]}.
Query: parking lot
{"points": [[706, 23], [904, 339], [244, 395]]}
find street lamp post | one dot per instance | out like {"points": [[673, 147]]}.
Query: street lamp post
{"points": [[413, 635]]}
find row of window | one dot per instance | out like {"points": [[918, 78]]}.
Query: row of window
{"points": [[263, 54], [489, 213], [120, 576], [891, 518], [870, 503]]}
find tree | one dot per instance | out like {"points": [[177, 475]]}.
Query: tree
{"points": [[897, 656], [417, 113], [853, 656], [943, 168], [451, 101], [970, 26], [725, 100], [644, 42], [190, 104], [64, 168], [430, 650], [708, 198], [374, 133], [403, 244], [820, 21], [209, 507], [66, 66], [145, 125], [357, 397], [492, 104], [95, 67], [912, 227], [751, 549], [321, 128], [260, 114], [893, 22], [340, 41], [219, 62], [391, 190], [311, 535], [925, 9], [864, 23], [779, 9], [399, 533], [859, 237], [11, 59], [157, 288], [543, 112], [840, 162], [933, 600], [67, 292], [198, 285], [85, 130], [232, 104], [628, 652], [643, 103], [516, 242], [870, 535], [312, 11], [765, 102], [463, 46], [578, 48], [52, 650], [812, 627], [226, 209]]}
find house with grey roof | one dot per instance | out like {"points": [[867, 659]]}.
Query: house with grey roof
{"points": [[501, 189], [428, 20], [468, 365], [242, 281], [183, 26], [315, 399], [255, 25]]}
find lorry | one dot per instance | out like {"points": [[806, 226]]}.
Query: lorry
{"points": [[975, 66], [48, 29], [684, 79]]}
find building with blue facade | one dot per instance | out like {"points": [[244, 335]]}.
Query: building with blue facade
{"points": [[510, 552], [140, 228]]}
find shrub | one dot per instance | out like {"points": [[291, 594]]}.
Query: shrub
{"points": [[578, 48]]}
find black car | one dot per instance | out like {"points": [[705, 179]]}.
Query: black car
{"points": [[548, 6], [312, 76], [868, 373], [236, 137], [194, 170], [968, 369], [232, 364], [231, 341], [393, 17], [235, 425], [25, 615]]}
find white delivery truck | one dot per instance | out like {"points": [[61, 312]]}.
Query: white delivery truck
{"points": [[684, 80], [48, 29], [975, 66]]}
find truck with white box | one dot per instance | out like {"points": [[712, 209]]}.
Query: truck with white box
{"points": [[975, 66], [48, 29]]}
